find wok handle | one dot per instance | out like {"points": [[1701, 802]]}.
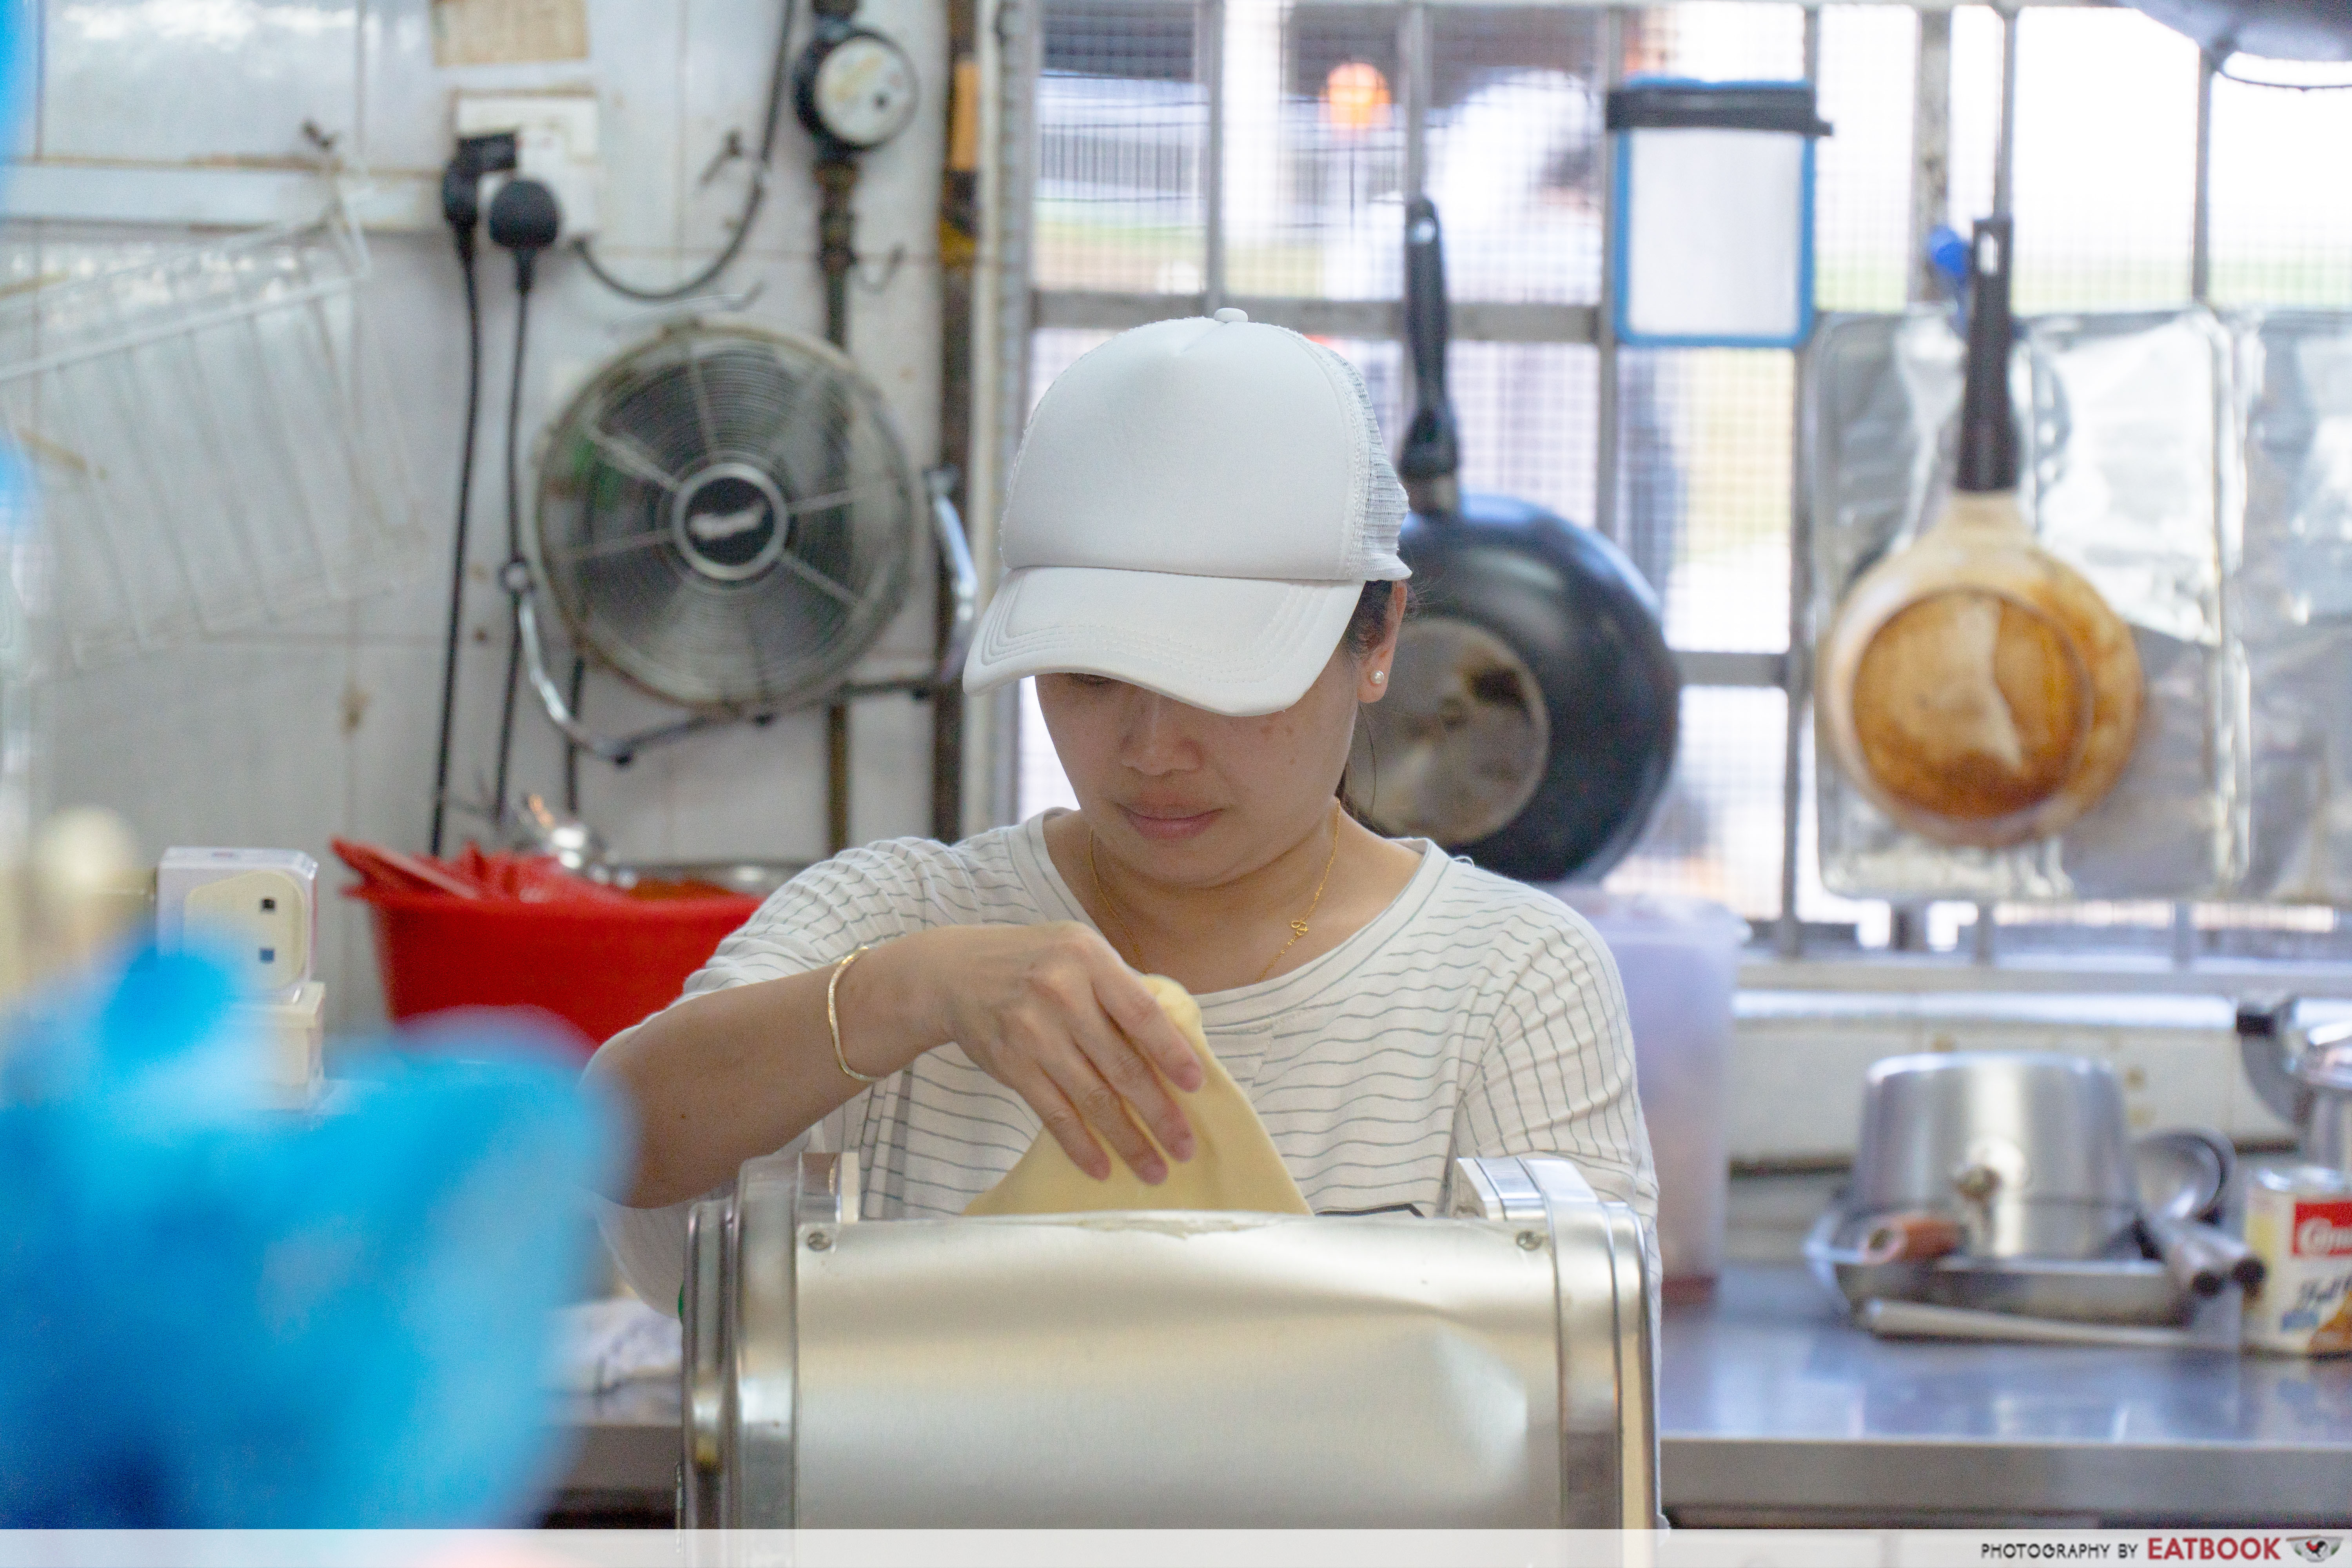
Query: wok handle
{"points": [[1432, 452]]}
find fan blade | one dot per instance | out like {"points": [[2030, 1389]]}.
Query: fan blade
{"points": [[817, 579], [815, 504], [605, 549], [625, 453], [704, 418]]}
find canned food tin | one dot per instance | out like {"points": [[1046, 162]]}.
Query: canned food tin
{"points": [[2299, 1223]]}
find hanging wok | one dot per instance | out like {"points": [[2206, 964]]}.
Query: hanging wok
{"points": [[1532, 716]]}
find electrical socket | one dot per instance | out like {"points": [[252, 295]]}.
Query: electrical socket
{"points": [[555, 135], [257, 908]]}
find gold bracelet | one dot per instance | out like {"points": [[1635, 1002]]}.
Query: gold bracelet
{"points": [[833, 1018]]}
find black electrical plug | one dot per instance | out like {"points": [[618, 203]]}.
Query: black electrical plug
{"points": [[461, 182], [525, 219]]}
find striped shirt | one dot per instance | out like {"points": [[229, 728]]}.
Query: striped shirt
{"points": [[1473, 1016]]}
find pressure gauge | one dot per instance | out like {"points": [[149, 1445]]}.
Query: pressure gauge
{"points": [[854, 87]]}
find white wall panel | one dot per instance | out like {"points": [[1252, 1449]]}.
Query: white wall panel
{"points": [[330, 730], [730, 49], [216, 743], [179, 82]]}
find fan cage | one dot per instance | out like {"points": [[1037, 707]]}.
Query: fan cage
{"points": [[727, 518]]}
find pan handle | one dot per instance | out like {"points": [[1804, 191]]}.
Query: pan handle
{"points": [[1432, 452]]}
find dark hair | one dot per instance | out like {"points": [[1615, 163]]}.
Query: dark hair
{"points": [[1365, 628], [1371, 619]]}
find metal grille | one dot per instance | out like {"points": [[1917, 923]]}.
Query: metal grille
{"points": [[2107, 128], [1718, 40], [1705, 466], [1052, 351], [1861, 203], [1122, 143], [1717, 834], [1314, 167], [1514, 144], [1526, 412], [2281, 226], [1317, 154]]}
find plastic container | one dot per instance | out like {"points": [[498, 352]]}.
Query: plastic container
{"points": [[1679, 959], [600, 966]]}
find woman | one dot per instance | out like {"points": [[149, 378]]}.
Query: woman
{"points": [[1200, 544]]}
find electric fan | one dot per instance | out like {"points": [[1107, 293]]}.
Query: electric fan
{"points": [[727, 520]]}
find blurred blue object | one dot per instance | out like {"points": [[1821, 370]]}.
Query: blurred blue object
{"points": [[18, 29], [1948, 252], [212, 1315]]}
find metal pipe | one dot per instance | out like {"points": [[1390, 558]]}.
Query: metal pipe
{"points": [[1931, 149], [1208, 56], [2200, 230], [837, 254], [2004, 159], [1788, 938], [836, 777], [1607, 437], [1018, 38], [959, 251], [1789, 934], [959, 581], [1413, 54]]}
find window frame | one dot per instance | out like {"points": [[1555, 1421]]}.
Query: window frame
{"points": [[1791, 952]]}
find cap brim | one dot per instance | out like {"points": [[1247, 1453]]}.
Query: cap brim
{"points": [[1234, 646]]}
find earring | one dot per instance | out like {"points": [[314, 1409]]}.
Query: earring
{"points": [[1380, 677]]}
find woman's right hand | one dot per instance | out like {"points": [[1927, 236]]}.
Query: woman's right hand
{"points": [[1054, 1015]]}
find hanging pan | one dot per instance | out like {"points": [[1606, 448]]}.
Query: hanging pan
{"points": [[1976, 688], [1530, 721]]}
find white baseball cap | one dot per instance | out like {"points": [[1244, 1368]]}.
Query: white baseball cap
{"points": [[1196, 508]]}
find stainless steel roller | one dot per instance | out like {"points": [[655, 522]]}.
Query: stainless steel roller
{"points": [[1490, 1368]]}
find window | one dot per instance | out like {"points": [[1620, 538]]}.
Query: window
{"points": [[1291, 204]]}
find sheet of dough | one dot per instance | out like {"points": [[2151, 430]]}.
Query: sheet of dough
{"points": [[1233, 1164]]}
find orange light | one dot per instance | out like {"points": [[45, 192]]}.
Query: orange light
{"points": [[1355, 97]]}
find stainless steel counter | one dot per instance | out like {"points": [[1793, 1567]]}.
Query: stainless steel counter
{"points": [[1775, 1411]]}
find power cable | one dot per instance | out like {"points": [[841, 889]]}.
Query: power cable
{"points": [[525, 220], [571, 746], [514, 560], [779, 82], [457, 547], [461, 205]]}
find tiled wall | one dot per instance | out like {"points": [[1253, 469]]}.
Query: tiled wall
{"points": [[325, 726], [1798, 1059]]}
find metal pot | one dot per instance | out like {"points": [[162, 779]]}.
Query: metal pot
{"points": [[1531, 718], [2303, 1075], [2028, 1150]]}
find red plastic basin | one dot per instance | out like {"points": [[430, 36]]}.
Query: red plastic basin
{"points": [[598, 967]]}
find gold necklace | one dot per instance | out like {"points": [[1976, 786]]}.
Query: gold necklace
{"points": [[1297, 928]]}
